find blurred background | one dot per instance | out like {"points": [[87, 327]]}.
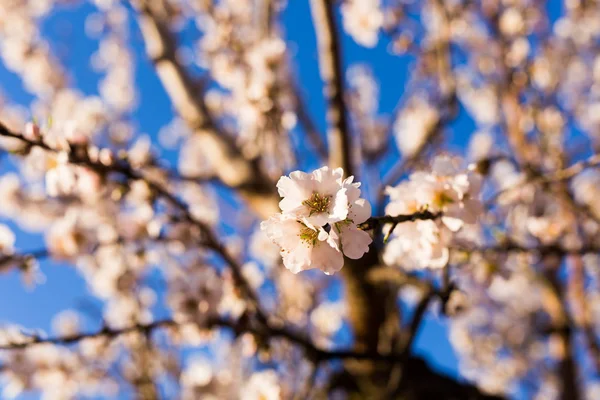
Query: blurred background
{"points": [[510, 85]]}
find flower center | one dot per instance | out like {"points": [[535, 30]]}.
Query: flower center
{"points": [[309, 236], [441, 200], [317, 203]]}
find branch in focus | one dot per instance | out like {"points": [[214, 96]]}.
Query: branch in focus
{"points": [[376, 222]]}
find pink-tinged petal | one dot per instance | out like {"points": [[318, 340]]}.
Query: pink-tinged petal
{"points": [[355, 242], [294, 190], [339, 174], [352, 189], [326, 258], [292, 264], [444, 166], [360, 211], [319, 219], [299, 259], [280, 230], [461, 184], [333, 239], [290, 204], [322, 235], [475, 183], [339, 209], [326, 181], [473, 209], [286, 186], [439, 257], [349, 180], [454, 224]]}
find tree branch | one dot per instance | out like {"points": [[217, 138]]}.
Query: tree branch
{"points": [[376, 222], [558, 176], [227, 161], [417, 368], [123, 168], [330, 66]]}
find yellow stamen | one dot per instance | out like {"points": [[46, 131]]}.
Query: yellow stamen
{"points": [[317, 203]]}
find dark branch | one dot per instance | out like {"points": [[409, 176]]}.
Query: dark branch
{"points": [[418, 369], [330, 65], [376, 222], [123, 168]]}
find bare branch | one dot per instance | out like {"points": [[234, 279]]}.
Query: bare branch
{"points": [[330, 66], [229, 164], [124, 169], [241, 326], [375, 222], [558, 176]]}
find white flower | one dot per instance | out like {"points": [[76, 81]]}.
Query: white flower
{"points": [[448, 190], [73, 134], [231, 303], [481, 145], [303, 246], [65, 238], [414, 125], [261, 386], [61, 178], [328, 318], [7, 239], [317, 197], [89, 183], [419, 244], [253, 274], [198, 373], [362, 20], [319, 220], [480, 102], [354, 242], [67, 323], [511, 22]]}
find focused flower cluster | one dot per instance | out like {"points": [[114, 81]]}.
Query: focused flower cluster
{"points": [[448, 190], [319, 221]]}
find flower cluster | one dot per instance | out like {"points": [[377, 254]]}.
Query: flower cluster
{"points": [[362, 20], [448, 190], [319, 220]]}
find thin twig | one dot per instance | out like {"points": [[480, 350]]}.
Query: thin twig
{"points": [[416, 320], [558, 176], [123, 168], [376, 222]]}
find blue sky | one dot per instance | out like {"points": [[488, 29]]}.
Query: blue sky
{"points": [[63, 288]]}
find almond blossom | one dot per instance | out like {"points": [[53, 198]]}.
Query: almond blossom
{"points": [[317, 197], [262, 386], [362, 20], [319, 220], [448, 190], [303, 246], [7, 240]]}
